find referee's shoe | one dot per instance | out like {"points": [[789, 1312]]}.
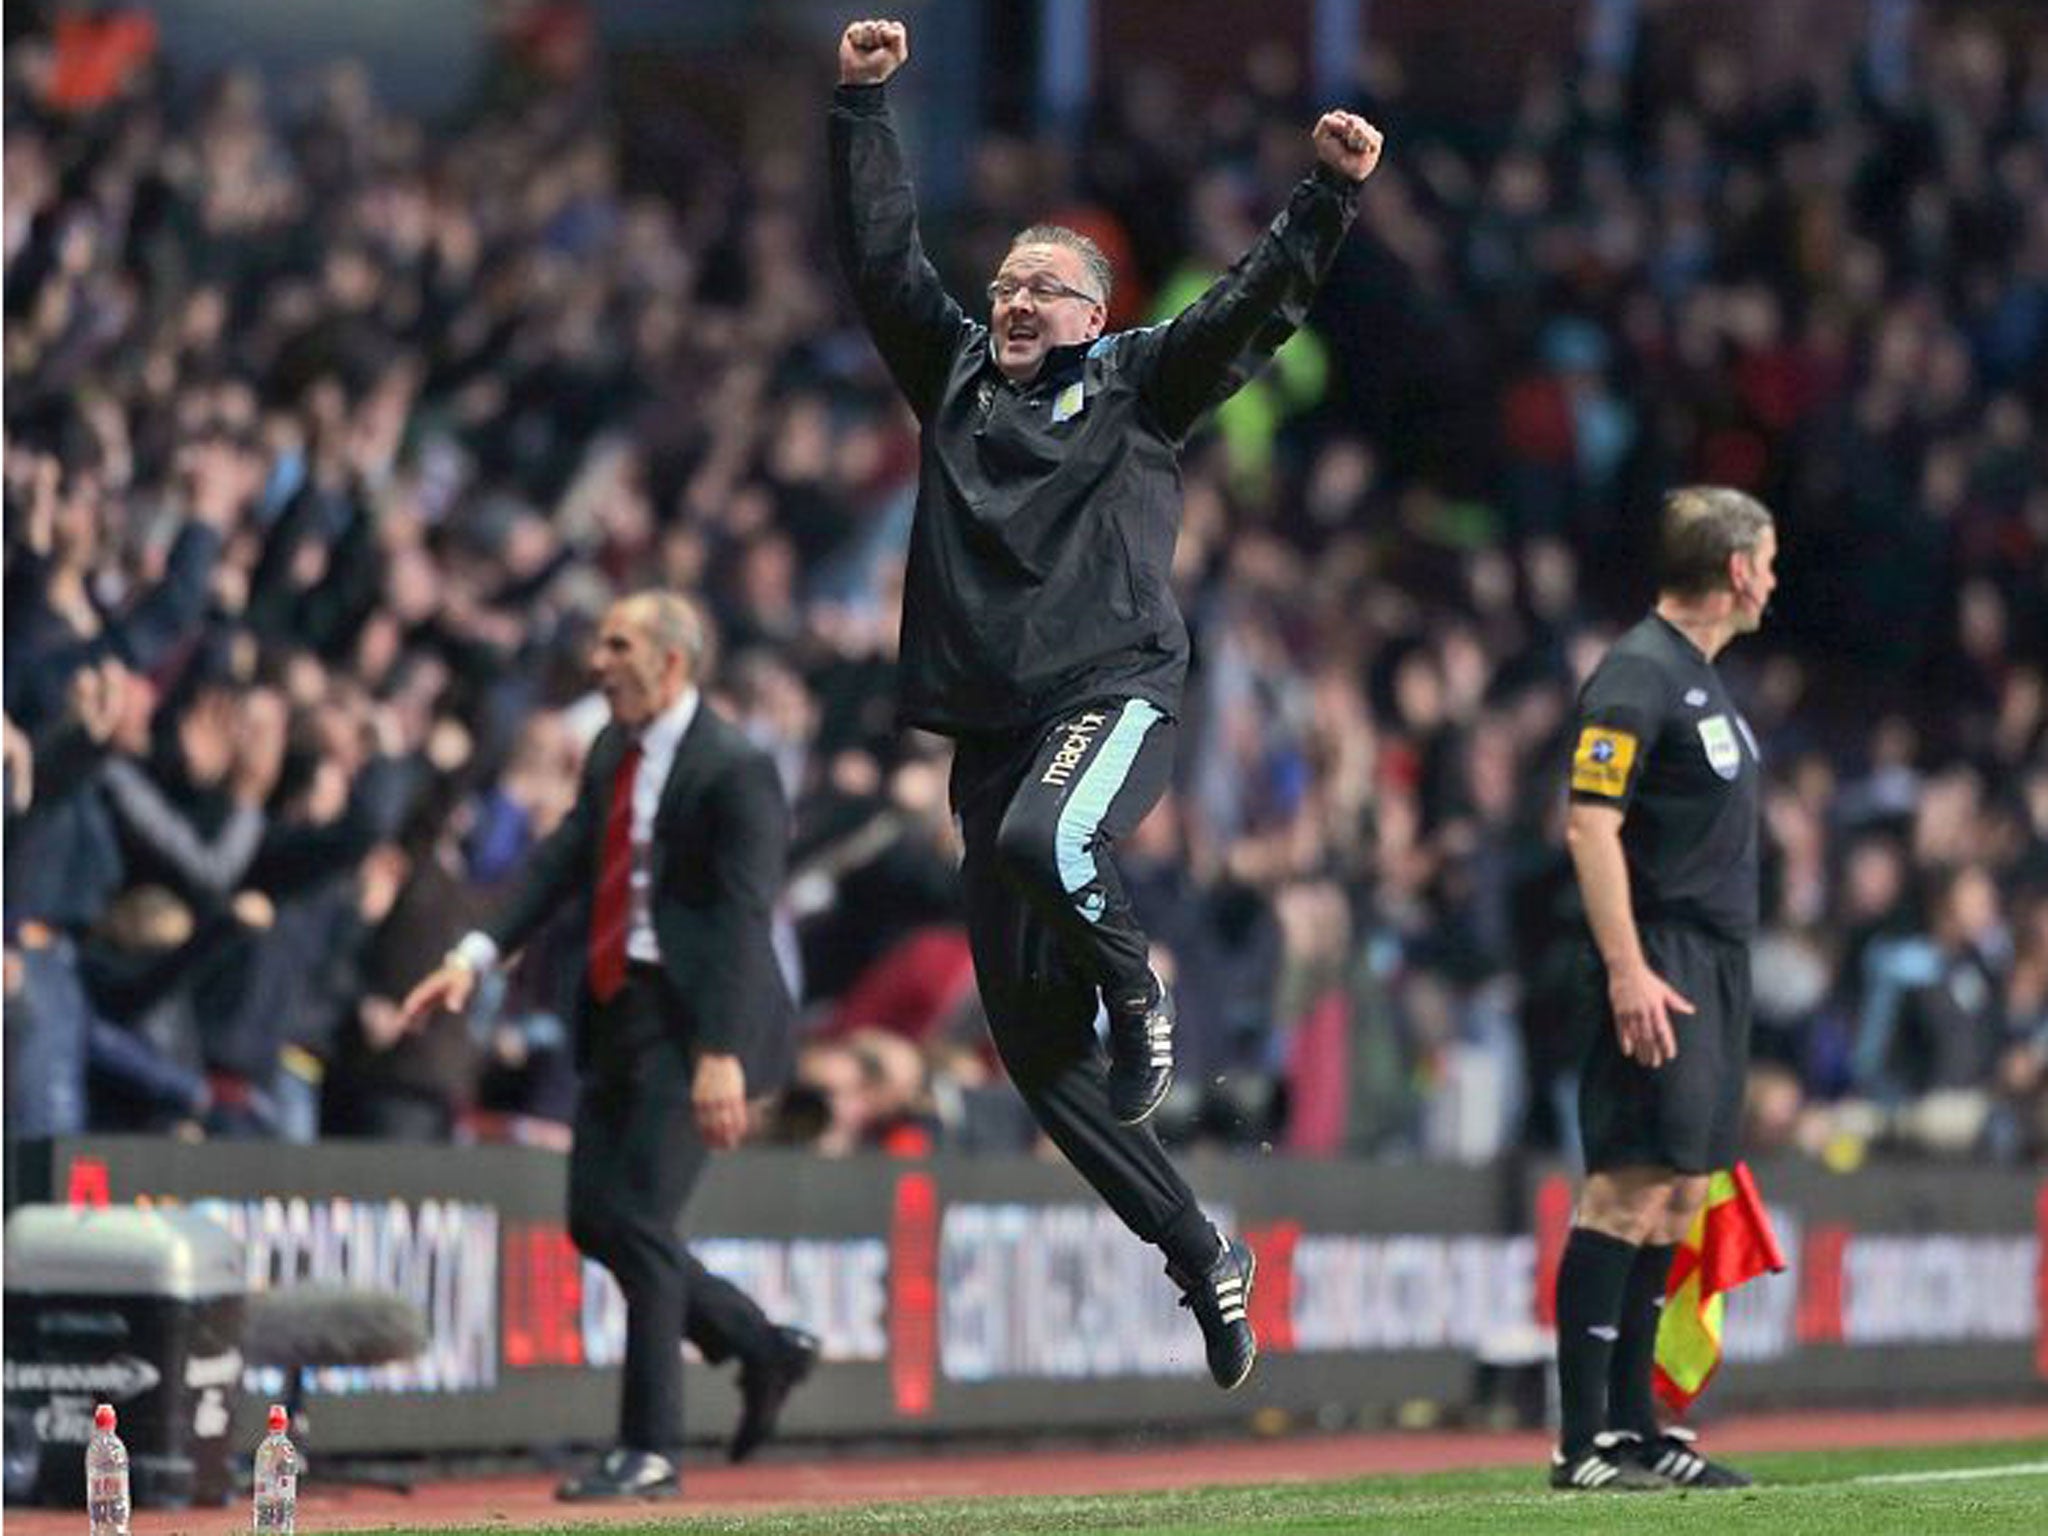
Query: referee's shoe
{"points": [[1609, 1465], [1671, 1457], [1221, 1300]]}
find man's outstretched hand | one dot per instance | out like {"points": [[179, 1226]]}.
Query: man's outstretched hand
{"points": [[871, 51], [1345, 142], [446, 989]]}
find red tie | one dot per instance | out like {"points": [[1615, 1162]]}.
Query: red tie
{"points": [[612, 914]]}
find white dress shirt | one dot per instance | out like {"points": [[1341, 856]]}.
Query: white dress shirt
{"points": [[658, 743]]}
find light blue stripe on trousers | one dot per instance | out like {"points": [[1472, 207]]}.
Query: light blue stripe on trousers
{"points": [[1081, 817]]}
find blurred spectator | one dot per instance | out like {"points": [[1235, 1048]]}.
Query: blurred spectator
{"points": [[1932, 1025], [2021, 1128], [386, 1081]]}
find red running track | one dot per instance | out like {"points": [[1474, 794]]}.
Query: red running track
{"points": [[792, 1483]]}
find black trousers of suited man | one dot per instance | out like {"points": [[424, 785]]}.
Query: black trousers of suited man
{"points": [[1051, 929], [635, 1160]]}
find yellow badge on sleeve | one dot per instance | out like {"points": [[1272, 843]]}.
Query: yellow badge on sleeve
{"points": [[1600, 765]]}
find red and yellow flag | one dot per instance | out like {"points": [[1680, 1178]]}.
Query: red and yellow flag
{"points": [[1731, 1241]]}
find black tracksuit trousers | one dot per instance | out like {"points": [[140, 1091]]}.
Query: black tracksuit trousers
{"points": [[1051, 929]]}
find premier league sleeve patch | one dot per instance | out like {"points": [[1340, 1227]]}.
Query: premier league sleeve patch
{"points": [[1601, 764]]}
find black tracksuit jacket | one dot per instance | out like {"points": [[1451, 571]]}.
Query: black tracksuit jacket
{"points": [[1042, 551]]}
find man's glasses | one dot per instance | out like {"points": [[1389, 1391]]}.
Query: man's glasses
{"points": [[1043, 290]]}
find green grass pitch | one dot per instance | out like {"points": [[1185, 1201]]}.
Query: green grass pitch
{"points": [[1980, 1488]]}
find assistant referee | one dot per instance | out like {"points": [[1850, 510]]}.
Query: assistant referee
{"points": [[1663, 833]]}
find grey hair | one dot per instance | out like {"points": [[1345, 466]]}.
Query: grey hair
{"points": [[1100, 272], [1702, 526], [676, 624]]}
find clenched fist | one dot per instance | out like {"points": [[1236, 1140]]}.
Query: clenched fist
{"points": [[871, 51], [1347, 143]]}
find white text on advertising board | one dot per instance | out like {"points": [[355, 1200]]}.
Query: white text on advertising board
{"points": [[836, 1288], [441, 1255]]}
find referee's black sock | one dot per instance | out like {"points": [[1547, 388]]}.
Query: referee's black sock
{"points": [[1590, 1280], [1630, 1403]]}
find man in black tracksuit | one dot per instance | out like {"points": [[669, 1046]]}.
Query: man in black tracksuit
{"points": [[1039, 625]]}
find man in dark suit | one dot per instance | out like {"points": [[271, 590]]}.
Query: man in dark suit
{"points": [[678, 839]]}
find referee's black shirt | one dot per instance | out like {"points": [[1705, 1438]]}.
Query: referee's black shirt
{"points": [[1660, 740]]}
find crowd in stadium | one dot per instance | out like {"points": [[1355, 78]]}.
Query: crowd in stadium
{"points": [[328, 438]]}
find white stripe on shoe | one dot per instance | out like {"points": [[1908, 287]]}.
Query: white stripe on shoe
{"points": [[1680, 1466]]}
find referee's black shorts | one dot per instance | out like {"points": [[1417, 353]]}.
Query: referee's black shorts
{"points": [[1686, 1114]]}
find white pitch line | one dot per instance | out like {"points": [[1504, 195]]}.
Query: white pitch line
{"points": [[1959, 1474]]}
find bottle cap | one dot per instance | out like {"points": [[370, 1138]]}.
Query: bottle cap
{"points": [[278, 1418], [103, 1417]]}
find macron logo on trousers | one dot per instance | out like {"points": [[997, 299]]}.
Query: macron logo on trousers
{"points": [[1080, 736]]}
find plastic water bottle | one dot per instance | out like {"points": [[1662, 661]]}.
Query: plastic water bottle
{"points": [[106, 1476], [277, 1477]]}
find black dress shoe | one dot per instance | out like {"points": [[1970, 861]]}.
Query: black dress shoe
{"points": [[624, 1474], [765, 1384]]}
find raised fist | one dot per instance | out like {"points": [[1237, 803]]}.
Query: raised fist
{"points": [[871, 51], [1347, 143]]}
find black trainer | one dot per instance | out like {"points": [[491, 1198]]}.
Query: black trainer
{"points": [[1140, 1054], [1671, 1456], [1609, 1466], [1221, 1301]]}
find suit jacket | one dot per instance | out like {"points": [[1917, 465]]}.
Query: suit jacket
{"points": [[720, 847]]}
